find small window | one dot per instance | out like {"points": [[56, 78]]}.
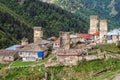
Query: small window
{"points": [[117, 36]]}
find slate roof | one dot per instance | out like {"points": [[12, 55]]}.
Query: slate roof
{"points": [[8, 52], [114, 32], [33, 47], [14, 47]]}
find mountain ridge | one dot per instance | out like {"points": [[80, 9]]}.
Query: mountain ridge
{"points": [[107, 9]]}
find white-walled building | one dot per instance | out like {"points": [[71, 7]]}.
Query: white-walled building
{"points": [[113, 36]]}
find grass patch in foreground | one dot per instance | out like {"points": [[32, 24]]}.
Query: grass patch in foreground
{"points": [[86, 70], [2, 65], [109, 48], [21, 63]]}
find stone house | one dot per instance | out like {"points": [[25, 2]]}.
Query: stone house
{"points": [[33, 52], [113, 36], [56, 43], [68, 57], [7, 56], [74, 38], [85, 37]]}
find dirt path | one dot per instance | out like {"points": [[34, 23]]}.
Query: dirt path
{"points": [[117, 77]]}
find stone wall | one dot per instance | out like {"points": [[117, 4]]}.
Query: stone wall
{"points": [[68, 60]]}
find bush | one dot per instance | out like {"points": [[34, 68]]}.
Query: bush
{"points": [[118, 44]]}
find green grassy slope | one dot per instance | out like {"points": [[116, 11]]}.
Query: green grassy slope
{"points": [[91, 70]]}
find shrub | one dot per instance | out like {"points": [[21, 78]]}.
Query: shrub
{"points": [[118, 44]]}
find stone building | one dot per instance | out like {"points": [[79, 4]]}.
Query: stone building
{"points": [[69, 56], [98, 26], [113, 36], [93, 24], [103, 31], [65, 40], [33, 52], [7, 56], [38, 34], [56, 43]]}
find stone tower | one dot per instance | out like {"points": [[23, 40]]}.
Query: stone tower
{"points": [[65, 40], [103, 30], [93, 24], [38, 34]]}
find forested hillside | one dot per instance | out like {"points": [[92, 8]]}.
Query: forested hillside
{"points": [[12, 27], [23, 16], [50, 17], [105, 9]]}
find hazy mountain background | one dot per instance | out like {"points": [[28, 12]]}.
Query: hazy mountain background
{"points": [[105, 9]]}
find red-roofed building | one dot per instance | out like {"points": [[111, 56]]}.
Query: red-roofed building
{"points": [[56, 43], [96, 33], [85, 36]]}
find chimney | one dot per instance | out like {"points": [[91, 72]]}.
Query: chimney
{"points": [[24, 41]]}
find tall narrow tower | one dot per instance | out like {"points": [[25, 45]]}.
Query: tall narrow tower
{"points": [[103, 30], [38, 34], [65, 40], [93, 24]]}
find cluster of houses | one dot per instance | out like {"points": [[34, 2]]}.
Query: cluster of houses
{"points": [[65, 52]]}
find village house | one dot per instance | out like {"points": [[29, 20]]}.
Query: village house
{"points": [[65, 55], [56, 43], [33, 52], [113, 36], [85, 37], [69, 56], [7, 56], [74, 38]]}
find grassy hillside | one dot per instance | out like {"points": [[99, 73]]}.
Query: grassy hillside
{"points": [[91, 70]]}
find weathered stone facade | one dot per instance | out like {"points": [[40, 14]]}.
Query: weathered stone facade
{"points": [[38, 34], [7, 56], [65, 40], [103, 31], [93, 24]]}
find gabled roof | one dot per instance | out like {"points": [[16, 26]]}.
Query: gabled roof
{"points": [[57, 40], [86, 36], [96, 33], [14, 47], [33, 47], [114, 32]]}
